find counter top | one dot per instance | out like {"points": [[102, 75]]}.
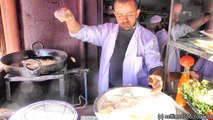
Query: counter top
{"points": [[85, 113]]}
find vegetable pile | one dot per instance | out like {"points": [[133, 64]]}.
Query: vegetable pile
{"points": [[200, 94]]}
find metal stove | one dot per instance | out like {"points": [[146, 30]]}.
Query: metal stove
{"points": [[56, 76]]}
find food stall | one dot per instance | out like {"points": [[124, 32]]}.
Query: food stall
{"points": [[77, 58]]}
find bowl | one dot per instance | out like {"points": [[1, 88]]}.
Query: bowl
{"points": [[133, 103]]}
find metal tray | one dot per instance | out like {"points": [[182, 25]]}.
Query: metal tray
{"points": [[195, 110], [46, 110]]}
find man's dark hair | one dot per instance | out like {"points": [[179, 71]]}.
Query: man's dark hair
{"points": [[124, 1]]}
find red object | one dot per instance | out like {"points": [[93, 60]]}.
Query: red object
{"points": [[210, 115], [186, 62]]}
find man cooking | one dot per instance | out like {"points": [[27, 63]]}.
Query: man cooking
{"points": [[130, 52]]}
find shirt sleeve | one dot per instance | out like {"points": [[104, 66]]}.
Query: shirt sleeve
{"points": [[93, 34], [180, 30], [156, 68], [151, 51]]}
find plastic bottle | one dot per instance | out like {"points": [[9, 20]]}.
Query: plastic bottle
{"points": [[186, 62]]}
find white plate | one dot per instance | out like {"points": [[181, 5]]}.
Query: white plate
{"points": [[207, 34], [204, 44]]}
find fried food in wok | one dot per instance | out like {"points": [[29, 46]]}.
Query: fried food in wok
{"points": [[35, 63]]}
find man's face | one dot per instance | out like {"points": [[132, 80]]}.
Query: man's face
{"points": [[153, 26], [177, 8], [126, 14]]}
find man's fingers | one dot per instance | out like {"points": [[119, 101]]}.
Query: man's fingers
{"points": [[156, 83], [63, 14], [157, 88], [153, 79], [194, 75], [150, 81], [59, 15]]}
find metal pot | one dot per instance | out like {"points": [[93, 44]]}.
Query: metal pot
{"points": [[12, 63], [127, 103], [49, 110]]}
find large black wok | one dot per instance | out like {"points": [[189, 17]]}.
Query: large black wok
{"points": [[13, 62]]}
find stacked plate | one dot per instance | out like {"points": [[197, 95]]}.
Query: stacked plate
{"points": [[207, 34]]}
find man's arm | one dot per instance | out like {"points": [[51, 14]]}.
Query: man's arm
{"points": [[199, 22], [65, 15]]}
